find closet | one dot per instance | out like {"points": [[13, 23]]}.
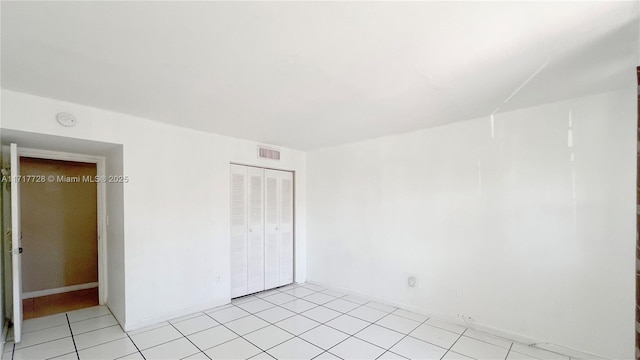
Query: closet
{"points": [[261, 229]]}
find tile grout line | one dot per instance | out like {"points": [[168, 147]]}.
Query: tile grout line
{"points": [[106, 342], [302, 315], [129, 337], [321, 306], [224, 342], [239, 336], [393, 312], [443, 329], [136, 345], [325, 323], [270, 324], [72, 339], [346, 313], [286, 292], [298, 336], [294, 314], [277, 291], [404, 337], [483, 341], [56, 339], [197, 347], [370, 323], [52, 326], [508, 352], [154, 327], [191, 317], [454, 343], [196, 314], [44, 342], [295, 297], [351, 335], [169, 323], [285, 330]]}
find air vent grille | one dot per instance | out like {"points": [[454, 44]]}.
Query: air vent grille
{"points": [[267, 153]]}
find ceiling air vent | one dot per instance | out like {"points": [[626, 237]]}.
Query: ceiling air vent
{"points": [[267, 153]]}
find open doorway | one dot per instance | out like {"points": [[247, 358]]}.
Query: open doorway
{"points": [[59, 233], [108, 159], [59, 236]]}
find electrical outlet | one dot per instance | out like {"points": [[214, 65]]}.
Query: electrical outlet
{"points": [[412, 281], [218, 279]]}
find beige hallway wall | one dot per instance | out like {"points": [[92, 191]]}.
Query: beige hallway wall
{"points": [[59, 226]]}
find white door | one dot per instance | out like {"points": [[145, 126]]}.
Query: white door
{"points": [[255, 256], [16, 243], [271, 243], [261, 229], [278, 228], [239, 246], [285, 228]]}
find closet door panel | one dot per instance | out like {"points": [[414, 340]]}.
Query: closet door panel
{"points": [[286, 259], [271, 264], [239, 246], [272, 243], [286, 228], [255, 254]]}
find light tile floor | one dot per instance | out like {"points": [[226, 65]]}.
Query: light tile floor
{"points": [[302, 321]]}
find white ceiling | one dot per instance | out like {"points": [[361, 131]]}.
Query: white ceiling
{"points": [[308, 75]]}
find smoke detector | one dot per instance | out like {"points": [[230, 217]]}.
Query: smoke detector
{"points": [[66, 119]]}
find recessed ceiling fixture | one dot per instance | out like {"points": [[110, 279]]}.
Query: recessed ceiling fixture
{"points": [[66, 119]]}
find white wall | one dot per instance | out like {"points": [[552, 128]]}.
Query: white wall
{"points": [[115, 236], [507, 230], [176, 205]]}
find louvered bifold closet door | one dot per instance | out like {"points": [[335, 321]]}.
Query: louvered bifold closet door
{"points": [[278, 228], [286, 228], [271, 236], [239, 246], [256, 231]]}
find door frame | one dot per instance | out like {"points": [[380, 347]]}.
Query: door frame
{"points": [[637, 317], [101, 203], [293, 173]]}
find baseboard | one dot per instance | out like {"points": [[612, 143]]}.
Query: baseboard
{"points": [[519, 338], [139, 324], [59, 290]]}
